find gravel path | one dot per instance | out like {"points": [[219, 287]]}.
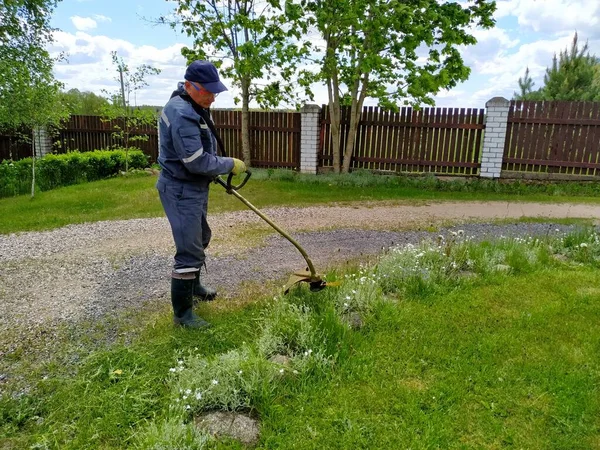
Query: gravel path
{"points": [[86, 271]]}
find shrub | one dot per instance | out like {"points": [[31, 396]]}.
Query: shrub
{"points": [[54, 171]]}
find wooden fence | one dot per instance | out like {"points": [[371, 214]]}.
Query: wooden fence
{"points": [[553, 137], [13, 147], [274, 137], [86, 133], [438, 140]]}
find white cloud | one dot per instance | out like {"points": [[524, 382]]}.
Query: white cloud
{"points": [[84, 23], [89, 65], [555, 17], [101, 18]]}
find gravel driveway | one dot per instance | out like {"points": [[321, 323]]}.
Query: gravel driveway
{"points": [[86, 271]]}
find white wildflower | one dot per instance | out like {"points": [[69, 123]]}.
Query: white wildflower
{"points": [[198, 395], [172, 369], [583, 245], [281, 370], [215, 382]]}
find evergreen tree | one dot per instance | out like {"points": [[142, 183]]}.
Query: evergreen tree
{"points": [[573, 76], [526, 85]]}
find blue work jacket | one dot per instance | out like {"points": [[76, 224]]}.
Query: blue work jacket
{"points": [[187, 146]]}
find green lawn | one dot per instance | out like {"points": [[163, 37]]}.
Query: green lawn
{"points": [[454, 352], [514, 364]]}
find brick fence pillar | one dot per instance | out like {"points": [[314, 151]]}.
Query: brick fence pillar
{"points": [[42, 141], [494, 138], [309, 141]]}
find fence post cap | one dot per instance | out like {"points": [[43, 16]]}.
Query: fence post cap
{"points": [[310, 107], [497, 101]]}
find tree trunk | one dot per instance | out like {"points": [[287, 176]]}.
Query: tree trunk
{"points": [[246, 156], [358, 101], [334, 106], [336, 138], [34, 152]]}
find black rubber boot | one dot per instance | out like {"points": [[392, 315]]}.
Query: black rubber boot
{"points": [[201, 292], [182, 300]]}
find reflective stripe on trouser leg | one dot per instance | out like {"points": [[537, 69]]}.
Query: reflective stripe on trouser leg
{"points": [[185, 207]]}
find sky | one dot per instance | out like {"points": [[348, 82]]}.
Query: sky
{"points": [[527, 34]]}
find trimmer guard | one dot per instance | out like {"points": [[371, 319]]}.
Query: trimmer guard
{"points": [[305, 276]]}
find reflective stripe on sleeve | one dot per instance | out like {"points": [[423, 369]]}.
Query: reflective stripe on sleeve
{"points": [[163, 116], [204, 126], [193, 157]]}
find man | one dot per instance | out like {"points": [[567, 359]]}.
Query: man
{"points": [[189, 162]]}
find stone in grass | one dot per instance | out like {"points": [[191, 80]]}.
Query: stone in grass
{"points": [[354, 320], [282, 360], [230, 424]]}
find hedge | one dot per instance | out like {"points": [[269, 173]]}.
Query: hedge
{"points": [[54, 171]]}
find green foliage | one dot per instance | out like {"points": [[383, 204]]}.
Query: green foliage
{"points": [[171, 433], [25, 65], [83, 103], [257, 38], [527, 92], [374, 48], [573, 76], [70, 168], [264, 47], [227, 382]]}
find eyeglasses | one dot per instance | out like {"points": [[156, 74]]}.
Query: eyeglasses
{"points": [[202, 89]]}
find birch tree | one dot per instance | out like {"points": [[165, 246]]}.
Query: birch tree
{"points": [[29, 94]]}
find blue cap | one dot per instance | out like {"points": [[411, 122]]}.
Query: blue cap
{"points": [[205, 73]]}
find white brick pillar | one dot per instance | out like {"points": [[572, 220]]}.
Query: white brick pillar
{"points": [[494, 138], [42, 141], [309, 140]]}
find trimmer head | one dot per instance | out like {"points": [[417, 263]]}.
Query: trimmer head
{"points": [[315, 281]]}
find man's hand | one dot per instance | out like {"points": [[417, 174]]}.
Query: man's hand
{"points": [[238, 166]]}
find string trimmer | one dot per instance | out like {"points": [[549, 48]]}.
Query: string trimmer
{"points": [[307, 275]]}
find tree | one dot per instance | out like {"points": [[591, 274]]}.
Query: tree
{"points": [[573, 76], [526, 85], [24, 62], [390, 50], [83, 103], [125, 118], [29, 94], [262, 49]]}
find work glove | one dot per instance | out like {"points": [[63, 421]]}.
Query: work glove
{"points": [[238, 166]]}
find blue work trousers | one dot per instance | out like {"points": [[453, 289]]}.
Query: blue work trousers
{"points": [[185, 205]]}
